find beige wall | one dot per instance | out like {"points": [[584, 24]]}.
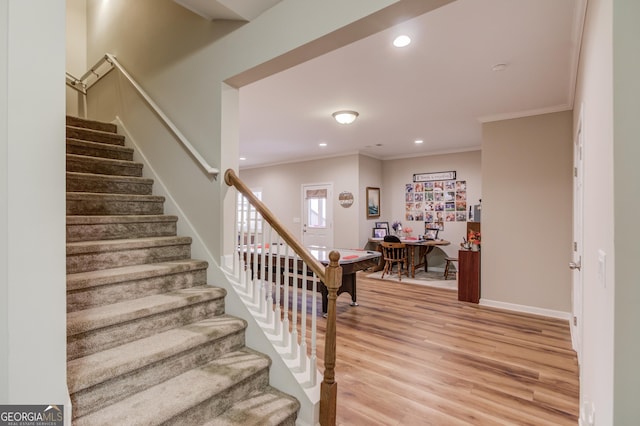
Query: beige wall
{"points": [[397, 173], [526, 211], [184, 75], [282, 192], [370, 175], [76, 48]]}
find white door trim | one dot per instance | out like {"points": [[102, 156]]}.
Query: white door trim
{"points": [[328, 235]]}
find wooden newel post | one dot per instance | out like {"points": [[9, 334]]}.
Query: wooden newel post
{"points": [[329, 387]]}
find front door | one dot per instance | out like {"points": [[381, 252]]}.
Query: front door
{"points": [[317, 221], [576, 261]]}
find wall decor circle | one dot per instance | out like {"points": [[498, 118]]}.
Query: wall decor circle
{"points": [[345, 199]]}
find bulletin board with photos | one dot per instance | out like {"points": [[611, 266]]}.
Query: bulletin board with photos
{"points": [[435, 202]]}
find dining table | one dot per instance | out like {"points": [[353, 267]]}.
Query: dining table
{"points": [[417, 251]]}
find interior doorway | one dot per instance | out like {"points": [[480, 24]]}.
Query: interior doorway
{"points": [[577, 252], [317, 210]]}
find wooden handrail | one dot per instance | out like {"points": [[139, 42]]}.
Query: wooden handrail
{"points": [[329, 387], [231, 179]]}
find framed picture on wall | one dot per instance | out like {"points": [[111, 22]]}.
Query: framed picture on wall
{"points": [[373, 202]]}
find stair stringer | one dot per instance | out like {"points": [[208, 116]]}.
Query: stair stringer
{"points": [[280, 375]]}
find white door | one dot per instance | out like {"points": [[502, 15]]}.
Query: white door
{"points": [[317, 220], [576, 261]]}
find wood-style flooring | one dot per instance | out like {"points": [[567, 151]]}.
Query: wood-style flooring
{"points": [[415, 355]]}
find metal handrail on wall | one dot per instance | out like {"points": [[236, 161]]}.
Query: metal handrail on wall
{"points": [[96, 72]]}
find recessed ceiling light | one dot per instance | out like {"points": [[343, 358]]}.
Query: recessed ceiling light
{"points": [[401, 41], [418, 141], [499, 67], [322, 144], [243, 158]]}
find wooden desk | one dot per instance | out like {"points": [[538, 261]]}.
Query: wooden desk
{"points": [[423, 247]]}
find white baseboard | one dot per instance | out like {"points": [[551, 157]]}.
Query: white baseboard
{"points": [[526, 309]]}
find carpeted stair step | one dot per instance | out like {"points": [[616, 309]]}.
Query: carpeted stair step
{"points": [[262, 408], [95, 149], [91, 228], [94, 135], [148, 341], [103, 166], [86, 256], [106, 184], [91, 124], [103, 327], [103, 378], [197, 396], [97, 288], [87, 203]]}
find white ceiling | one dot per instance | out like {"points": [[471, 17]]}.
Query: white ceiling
{"points": [[439, 89]]}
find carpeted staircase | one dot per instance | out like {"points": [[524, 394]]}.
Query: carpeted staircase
{"points": [[148, 341]]}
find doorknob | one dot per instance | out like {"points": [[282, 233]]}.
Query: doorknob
{"points": [[575, 265]]}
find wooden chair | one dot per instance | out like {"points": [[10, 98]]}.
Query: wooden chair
{"points": [[394, 253], [447, 267]]}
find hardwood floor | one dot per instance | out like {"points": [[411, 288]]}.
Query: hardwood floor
{"points": [[414, 355]]}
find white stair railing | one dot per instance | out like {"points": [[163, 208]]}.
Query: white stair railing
{"points": [[279, 281], [280, 291]]}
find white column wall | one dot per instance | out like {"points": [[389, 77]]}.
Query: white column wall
{"points": [[594, 99], [4, 205], [626, 152], [32, 225]]}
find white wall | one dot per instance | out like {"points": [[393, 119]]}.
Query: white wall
{"points": [[281, 192], [184, 76], [32, 225], [626, 69], [76, 59], [594, 95], [397, 173], [527, 168], [608, 90]]}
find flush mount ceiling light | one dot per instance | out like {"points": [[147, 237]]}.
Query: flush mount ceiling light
{"points": [[401, 41], [499, 67], [345, 117]]}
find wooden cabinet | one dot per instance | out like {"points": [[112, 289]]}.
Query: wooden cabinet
{"points": [[469, 276]]}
